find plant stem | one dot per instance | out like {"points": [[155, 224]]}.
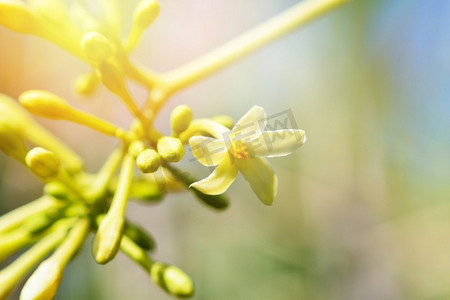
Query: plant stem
{"points": [[239, 47], [249, 42], [14, 218], [14, 273], [104, 176], [72, 243], [120, 199], [136, 253]]}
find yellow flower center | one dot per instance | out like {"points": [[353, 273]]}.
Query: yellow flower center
{"points": [[239, 150]]}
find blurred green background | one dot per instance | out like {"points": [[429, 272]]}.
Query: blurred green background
{"points": [[363, 209]]}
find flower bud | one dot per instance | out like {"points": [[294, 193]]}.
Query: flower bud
{"points": [[180, 119], [136, 147], [145, 13], [44, 282], [107, 240], [224, 120], [171, 149], [11, 141], [147, 190], [172, 279], [139, 236], [48, 105], [38, 223], [110, 232], [97, 49], [30, 229], [36, 134], [43, 163], [17, 270], [148, 161], [112, 78], [57, 190], [86, 84], [44, 104], [215, 201]]}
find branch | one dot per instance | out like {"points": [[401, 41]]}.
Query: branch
{"points": [[248, 42]]}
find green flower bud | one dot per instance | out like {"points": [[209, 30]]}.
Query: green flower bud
{"points": [[44, 282], [44, 104], [107, 240], [11, 140], [96, 47], [38, 223], [147, 191], [171, 149], [142, 238], [109, 233], [215, 201], [75, 210], [145, 14], [57, 190], [86, 84], [48, 105], [172, 279], [180, 119], [36, 134], [12, 242], [112, 78], [43, 163], [148, 161]]}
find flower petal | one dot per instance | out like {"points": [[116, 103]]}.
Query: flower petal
{"points": [[250, 125], [263, 181], [276, 143], [208, 151], [219, 180]]}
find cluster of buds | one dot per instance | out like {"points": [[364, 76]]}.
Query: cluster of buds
{"points": [[76, 203]]}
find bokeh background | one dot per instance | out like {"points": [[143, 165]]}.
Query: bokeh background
{"points": [[363, 209]]}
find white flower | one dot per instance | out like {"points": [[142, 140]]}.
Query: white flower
{"points": [[243, 149]]}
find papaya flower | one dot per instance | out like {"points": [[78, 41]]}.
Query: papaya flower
{"points": [[244, 148]]}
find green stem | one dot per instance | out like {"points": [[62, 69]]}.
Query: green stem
{"points": [[250, 41], [14, 241], [14, 218], [141, 74], [119, 202], [104, 176], [136, 253], [72, 243], [16, 271], [239, 47], [40, 136]]}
